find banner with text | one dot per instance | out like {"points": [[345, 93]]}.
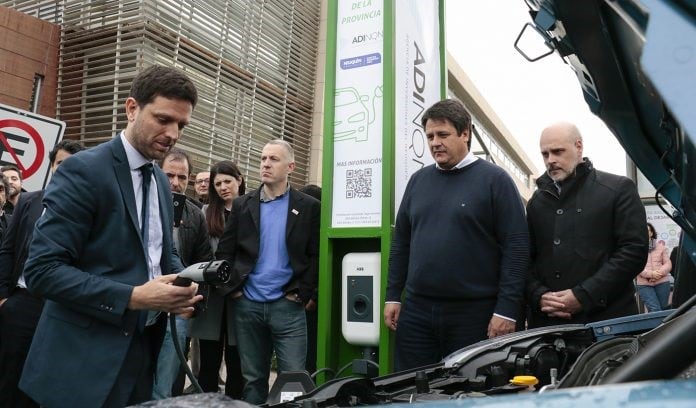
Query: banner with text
{"points": [[358, 110], [418, 84], [667, 230]]}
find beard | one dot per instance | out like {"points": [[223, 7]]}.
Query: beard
{"points": [[561, 174]]}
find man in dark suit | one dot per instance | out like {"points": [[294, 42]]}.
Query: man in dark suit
{"points": [[14, 177], [192, 245], [19, 309], [272, 235], [103, 257], [4, 217]]}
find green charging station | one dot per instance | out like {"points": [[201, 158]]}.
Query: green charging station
{"points": [[385, 64]]}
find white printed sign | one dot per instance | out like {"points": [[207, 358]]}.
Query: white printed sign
{"points": [[358, 109]]}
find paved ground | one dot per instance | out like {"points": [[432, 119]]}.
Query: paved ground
{"points": [[223, 375]]}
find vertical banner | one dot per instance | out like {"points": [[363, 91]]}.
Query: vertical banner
{"points": [[418, 85], [358, 108]]}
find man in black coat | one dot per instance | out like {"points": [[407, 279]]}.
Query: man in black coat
{"points": [[20, 310], [193, 246], [4, 217], [588, 236]]}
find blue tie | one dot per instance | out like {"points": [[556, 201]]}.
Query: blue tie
{"points": [[146, 171]]}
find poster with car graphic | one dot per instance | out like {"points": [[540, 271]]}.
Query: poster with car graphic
{"points": [[358, 107]]}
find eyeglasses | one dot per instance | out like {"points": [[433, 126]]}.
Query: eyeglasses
{"points": [[203, 181]]}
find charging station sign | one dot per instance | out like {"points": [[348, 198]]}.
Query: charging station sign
{"points": [[25, 140]]}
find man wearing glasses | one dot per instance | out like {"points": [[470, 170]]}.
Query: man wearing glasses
{"points": [[201, 185]]}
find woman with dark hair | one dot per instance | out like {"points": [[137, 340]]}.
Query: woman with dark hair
{"points": [[211, 327], [653, 283]]}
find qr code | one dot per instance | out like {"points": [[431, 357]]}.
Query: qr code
{"points": [[359, 183]]}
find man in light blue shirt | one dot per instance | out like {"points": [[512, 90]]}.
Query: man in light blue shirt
{"points": [[272, 237]]}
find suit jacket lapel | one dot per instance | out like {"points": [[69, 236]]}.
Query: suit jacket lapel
{"points": [[255, 208], [125, 182], [294, 208]]}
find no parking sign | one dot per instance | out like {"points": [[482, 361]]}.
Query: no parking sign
{"points": [[25, 140]]}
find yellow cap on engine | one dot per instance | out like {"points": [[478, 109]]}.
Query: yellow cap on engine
{"points": [[527, 380]]}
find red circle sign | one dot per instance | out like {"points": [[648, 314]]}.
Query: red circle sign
{"points": [[35, 136]]}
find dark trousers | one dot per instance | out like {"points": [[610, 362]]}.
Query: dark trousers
{"points": [[211, 358], [431, 329], [134, 382], [311, 360], [19, 316]]}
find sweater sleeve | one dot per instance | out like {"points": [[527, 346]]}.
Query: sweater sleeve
{"points": [[666, 264], [512, 234], [646, 273], [400, 250]]}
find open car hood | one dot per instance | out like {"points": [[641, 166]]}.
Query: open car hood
{"points": [[636, 64]]}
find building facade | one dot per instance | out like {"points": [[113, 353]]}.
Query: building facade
{"points": [[254, 64], [258, 65]]}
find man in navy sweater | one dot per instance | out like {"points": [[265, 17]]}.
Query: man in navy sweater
{"points": [[460, 248]]}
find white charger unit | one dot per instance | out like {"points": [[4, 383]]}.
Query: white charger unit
{"points": [[360, 290]]}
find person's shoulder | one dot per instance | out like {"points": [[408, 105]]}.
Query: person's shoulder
{"points": [[423, 172], [30, 196], [99, 151], [492, 173], [613, 181], [605, 176], [304, 196], [247, 198], [194, 202], [192, 206]]}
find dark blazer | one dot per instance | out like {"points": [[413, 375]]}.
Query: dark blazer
{"points": [[4, 221], [85, 259], [590, 238], [15, 244], [239, 244]]}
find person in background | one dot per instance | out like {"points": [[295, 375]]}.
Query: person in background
{"points": [[202, 185], [588, 239], [14, 177], [214, 328], [4, 217], [460, 248], [653, 282], [192, 246], [674, 257], [103, 257], [19, 309], [311, 306], [272, 237]]}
